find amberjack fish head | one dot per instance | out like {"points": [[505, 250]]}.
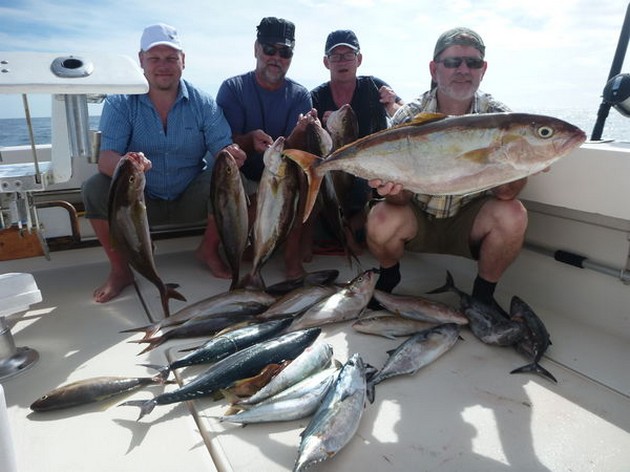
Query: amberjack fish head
{"points": [[343, 126], [318, 140], [273, 156], [128, 182], [528, 140], [225, 165]]}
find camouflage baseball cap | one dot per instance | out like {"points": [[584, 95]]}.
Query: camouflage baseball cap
{"points": [[459, 36]]}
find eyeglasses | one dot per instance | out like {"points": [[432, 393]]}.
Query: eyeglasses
{"points": [[346, 56], [270, 50], [455, 62]]}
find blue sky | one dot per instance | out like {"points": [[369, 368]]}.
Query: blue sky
{"points": [[541, 53]]}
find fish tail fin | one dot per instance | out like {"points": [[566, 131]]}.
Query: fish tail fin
{"points": [[152, 343], [448, 286], [235, 280], [168, 293], [163, 372], [536, 368], [146, 406], [370, 391], [253, 280], [146, 329], [308, 163]]}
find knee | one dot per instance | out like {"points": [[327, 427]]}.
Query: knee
{"points": [[94, 193], [513, 216], [385, 220]]}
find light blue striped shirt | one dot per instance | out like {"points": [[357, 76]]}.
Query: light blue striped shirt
{"points": [[195, 127]]}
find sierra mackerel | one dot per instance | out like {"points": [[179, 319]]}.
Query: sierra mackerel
{"points": [[440, 155]]}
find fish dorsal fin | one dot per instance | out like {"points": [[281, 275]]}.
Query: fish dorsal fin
{"points": [[426, 117]]}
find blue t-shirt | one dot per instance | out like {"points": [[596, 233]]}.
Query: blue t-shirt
{"points": [[248, 106], [196, 131]]}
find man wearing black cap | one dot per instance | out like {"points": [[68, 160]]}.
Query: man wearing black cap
{"points": [[262, 105], [371, 99], [487, 226]]}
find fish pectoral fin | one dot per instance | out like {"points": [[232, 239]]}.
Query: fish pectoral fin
{"points": [[476, 155]]}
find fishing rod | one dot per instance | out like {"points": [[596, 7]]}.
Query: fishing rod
{"points": [[615, 69]]}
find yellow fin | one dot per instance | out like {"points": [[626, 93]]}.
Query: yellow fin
{"points": [[476, 155]]}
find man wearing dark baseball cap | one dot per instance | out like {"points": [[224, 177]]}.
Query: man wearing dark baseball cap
{"points": [[264, 104], [373, 102]]}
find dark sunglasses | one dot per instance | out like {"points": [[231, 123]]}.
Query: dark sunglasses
{"points": [[455, 62], [270, 50]]}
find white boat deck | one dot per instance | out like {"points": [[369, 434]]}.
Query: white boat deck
{"points": [[464, 412]]}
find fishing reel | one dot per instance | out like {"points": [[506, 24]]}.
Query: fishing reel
{"points": [[617, 93]]}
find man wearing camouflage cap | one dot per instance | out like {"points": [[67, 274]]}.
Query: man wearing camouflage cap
{"points": [[488, 227]]}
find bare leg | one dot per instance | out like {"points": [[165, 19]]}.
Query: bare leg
{"points": [[120, 275], [388, 228], [499, 230], [208, 251]]}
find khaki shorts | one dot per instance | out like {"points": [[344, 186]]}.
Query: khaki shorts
{"points": [[191, 207], [446, 235]]}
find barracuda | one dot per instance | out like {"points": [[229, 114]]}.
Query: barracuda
{"points": [[440, 155]]}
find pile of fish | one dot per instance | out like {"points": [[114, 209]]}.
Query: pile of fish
{"points": [[273, 368]]}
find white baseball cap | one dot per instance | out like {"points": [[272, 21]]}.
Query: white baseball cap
{"points": [[159, 34]]}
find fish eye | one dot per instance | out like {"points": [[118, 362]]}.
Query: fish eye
{"points": [[545, 132], [132, 179]]}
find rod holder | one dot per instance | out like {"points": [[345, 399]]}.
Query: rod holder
{"points": [[13, 360]]}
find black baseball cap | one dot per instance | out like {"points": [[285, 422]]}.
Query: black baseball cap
{"points": [[341, 38], [273, 30]]}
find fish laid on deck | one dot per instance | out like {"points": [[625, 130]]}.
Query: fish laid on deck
{"points": [[337, 419], [237, 302], [129, 227], [346, 304], [285, 409], [229, 201], [419, 308], [194, 328], [225, 344], [318, 277], [242, 364], [535, 341], [313, 359], [95, 389], [440, 155], [298, 300], [276, 207], [389, 325], [415, 353], [490, 324]]}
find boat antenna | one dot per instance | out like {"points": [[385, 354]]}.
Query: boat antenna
{"points": [[615, 68]]}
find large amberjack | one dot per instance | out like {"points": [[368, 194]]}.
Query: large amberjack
{"points": [[440, 155], [129, 227]]}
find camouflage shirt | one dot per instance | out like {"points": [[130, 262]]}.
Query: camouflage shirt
{"points": [[445, 206]]}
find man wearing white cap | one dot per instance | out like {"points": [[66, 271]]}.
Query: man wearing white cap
{"points": [[175, 126]]}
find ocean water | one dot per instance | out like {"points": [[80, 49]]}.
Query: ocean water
{"points": [[14, 132]]}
